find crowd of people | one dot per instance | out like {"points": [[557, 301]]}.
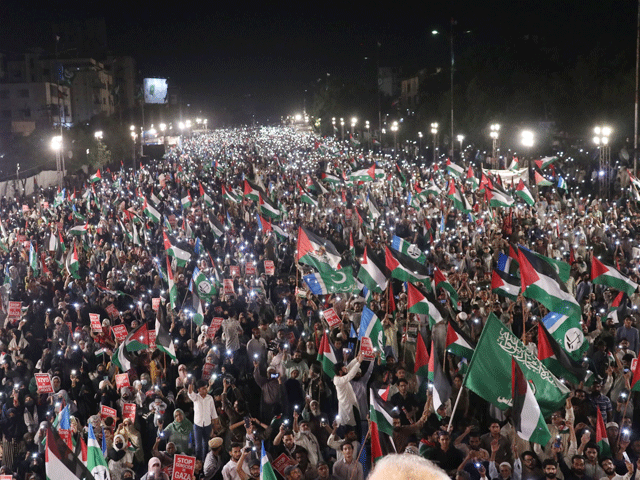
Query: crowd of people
{"points": [[234, 366]]}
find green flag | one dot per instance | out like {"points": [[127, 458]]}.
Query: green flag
{"points": [[489, 373]]}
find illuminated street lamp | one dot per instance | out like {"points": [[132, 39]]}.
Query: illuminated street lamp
{"points": [[420, 142], [367, 126], [342, 129], [333, 122], [434, 131], [460, 138], [602, 142], [394, 129], [98, 135], [495, 135], [527, 140]]}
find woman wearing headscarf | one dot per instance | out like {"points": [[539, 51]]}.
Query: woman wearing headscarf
{"points": [[154, 470], [131, 435], [181, 381], [119, 457], [179, 432]]}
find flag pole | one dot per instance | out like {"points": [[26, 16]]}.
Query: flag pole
{"points": [[357, 459], [524, 321], [455, 407]]}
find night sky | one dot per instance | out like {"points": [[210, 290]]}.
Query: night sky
{"points": [[221, 53]]}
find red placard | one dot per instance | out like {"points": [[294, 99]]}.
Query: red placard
{"points": [[250, 269], [152, 339], [216, 322], [21, 238], [122, 380], [234, 270], [129, 411], [282, 462], [96, 326], [155, 304], [269, 267], [634, 363], [228, 286], [113, 311], [331, 317], [120, 332], [15, 311], [183, 467], [108, 412], [207, 370], [43, 382], [366, 348]]}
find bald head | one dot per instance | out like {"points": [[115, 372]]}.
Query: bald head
{"points": [[406, 467]]}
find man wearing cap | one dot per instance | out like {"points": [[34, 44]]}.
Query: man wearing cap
{"points": [[214, 461]]}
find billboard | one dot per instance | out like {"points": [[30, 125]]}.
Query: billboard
{"points": [[155, 90]]}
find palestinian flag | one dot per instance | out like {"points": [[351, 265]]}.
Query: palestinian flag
{"points": [[609, 276], [268, 209], [137, 340], [405, 268], [472, 179], [541, 181], [381, 413], [316, 251], [635, 385], [73, 265], [79, 229], [328, 281], [202, 285], [182, 256], [498, 197], [441, 385], [454, 169], [372, 272], [613, 308], [151, 212], [251, 191], [458, 343], [371, 327], [416, 300], [401, 177], [553, 356], [364, 175], [459, 200], [280, 233], [96, 177], [122, 359], [229, 195], [545, 162], [60, 462], [306, 197], [541, 282], [164, 342], [440, 281], [96, 462], [186, 201], [208, 201], [421, 364], [514, 165], [528, 420], [331, 179], [264, 226], [352, 248], [523, 192], [327, 357], [602, 440], [432, 189], [408, 249], [216, 227], [504, 284], [173, 289]]}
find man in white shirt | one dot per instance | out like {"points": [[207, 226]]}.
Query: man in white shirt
{"points": [[204, 413], [344, 390], [229, 471]]}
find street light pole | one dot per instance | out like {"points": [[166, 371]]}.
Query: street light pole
{"points": [[495, 134], [460, 139], [602, 141], [342, 129], [434, 130], [394, 129]]}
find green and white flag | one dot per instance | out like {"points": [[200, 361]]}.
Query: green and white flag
{"points": [[432, 189], [331, 281], [489, 373], [523, 192], [527, 418], [202, 285], [371, 327], [454, 169], [266, 470], [79, 229], [372, 272], [96, 462], [408, 249]]}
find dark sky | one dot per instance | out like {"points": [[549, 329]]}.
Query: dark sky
{"points": [[271, 52]]}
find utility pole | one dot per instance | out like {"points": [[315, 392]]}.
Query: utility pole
{"points": [[635, 130]]}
